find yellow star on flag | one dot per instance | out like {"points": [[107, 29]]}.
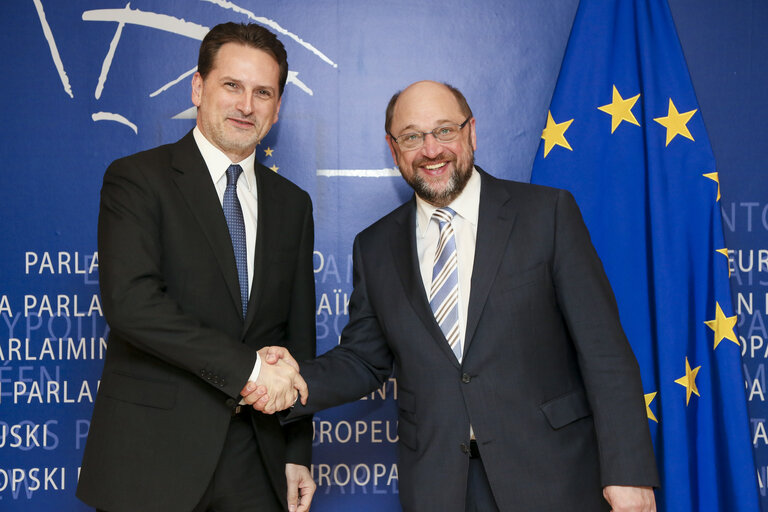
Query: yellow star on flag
{"points": [[713, 176], [688, 381], [723, 326], [648, 399], [724, 252], [274, 168], [675, 122], [620, 109], [269, 151], [554, 134]]}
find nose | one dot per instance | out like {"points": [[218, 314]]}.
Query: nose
{"points": [[245, 105], [431, 147]]}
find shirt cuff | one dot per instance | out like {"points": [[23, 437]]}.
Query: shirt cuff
{"points": [[254, 373]]}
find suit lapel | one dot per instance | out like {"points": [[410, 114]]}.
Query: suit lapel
{"points": [[494, 226], [405, 255], [194, 182]]}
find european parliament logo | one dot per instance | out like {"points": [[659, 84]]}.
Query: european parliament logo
{"points": [[126, 18]]}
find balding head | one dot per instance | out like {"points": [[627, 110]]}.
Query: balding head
{"points": [[422, 90]]}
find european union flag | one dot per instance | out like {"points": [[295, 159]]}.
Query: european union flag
{"points": [[624, 134]]}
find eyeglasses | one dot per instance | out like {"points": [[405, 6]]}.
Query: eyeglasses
{"points": [[414, 140]]}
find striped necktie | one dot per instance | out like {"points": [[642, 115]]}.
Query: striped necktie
{"points": [[234, 215], [444, 295]]}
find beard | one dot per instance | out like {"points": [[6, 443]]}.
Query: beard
{"points": [[433, 193]]}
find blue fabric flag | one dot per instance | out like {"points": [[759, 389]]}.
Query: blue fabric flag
{"points": [[625, 136]]}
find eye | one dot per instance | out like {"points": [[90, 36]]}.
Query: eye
{"points": [[445, 130], [230, 85], [410, 137], [265, 93]]}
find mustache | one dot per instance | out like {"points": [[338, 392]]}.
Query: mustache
{"points": [[442, 157]]}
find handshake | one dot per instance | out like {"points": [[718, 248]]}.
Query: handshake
{"points": [[279, 383]]}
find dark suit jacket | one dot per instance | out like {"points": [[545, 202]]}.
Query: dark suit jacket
{"points": [[178, 350], [548, 380]]}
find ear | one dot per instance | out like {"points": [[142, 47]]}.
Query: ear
{"points": [[277, 108], [473, 134], [391, 143], [197, 89]]}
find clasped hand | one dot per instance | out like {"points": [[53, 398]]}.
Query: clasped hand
{"points": [[630, 498], [279, 383]]}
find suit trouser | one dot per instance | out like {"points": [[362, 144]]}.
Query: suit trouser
{"points": [[479, 495], [240, 482]]}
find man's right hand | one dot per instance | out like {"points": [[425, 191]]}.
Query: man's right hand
{"points": [[278, 382]]}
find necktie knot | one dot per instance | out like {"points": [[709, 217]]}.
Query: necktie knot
{"points": [[233, 173], [443, 215]]}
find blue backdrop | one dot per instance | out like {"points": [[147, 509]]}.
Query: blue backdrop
{"points": [[86, 82]]}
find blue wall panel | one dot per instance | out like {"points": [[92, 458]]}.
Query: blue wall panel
{"points": [[86, 82]]}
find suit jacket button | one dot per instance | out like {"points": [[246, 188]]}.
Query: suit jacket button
{"points": [[464, 448], [231, 403], [465, 378]]}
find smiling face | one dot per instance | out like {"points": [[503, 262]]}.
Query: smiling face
{"points": [[238, 100], [436, 171]]}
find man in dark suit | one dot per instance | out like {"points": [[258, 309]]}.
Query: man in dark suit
{"points": [[205, 259], [517, 389]]}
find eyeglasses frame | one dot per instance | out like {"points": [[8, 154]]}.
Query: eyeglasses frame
{"points": [[424, 135]]}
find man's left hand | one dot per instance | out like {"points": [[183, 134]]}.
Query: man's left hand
{"points": [[301, 487], [624, 498]]}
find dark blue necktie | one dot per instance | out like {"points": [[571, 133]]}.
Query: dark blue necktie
{"points": [[234, 215]]}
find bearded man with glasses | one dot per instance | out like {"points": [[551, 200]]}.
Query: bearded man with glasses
{"points": [[517, 389]]}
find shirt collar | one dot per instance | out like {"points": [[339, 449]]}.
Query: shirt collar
{"points": [[218, 163], [466, 206]]}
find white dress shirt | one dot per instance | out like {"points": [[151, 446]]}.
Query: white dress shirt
{"points": [[218, 163], [467, 208]]}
